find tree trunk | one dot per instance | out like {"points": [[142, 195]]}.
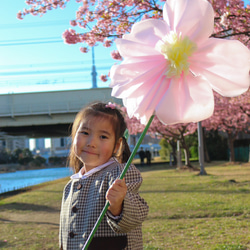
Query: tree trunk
{"points": [[173, 145], [187, 153], [186, 157], [206, 154], [231, 147]]}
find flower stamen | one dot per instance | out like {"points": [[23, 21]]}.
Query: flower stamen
{"points": [[176, 50]]}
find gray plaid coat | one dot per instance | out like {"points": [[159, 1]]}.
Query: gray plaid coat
{"points": [[82, 203]]}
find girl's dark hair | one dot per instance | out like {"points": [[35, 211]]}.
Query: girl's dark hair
{"points": [[115, 117]]}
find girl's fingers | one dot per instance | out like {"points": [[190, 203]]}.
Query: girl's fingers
{"points": [[117, 189]]}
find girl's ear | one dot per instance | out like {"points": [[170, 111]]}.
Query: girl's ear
{"points": [[118, 144]]}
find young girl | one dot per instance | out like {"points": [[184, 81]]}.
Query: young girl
{"points": [[98, 154]]}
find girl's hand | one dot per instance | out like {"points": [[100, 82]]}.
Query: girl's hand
{"points": [[115, 195]]}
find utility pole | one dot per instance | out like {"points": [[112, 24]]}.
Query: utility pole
{"points": [[93, 73], [201, 149], [179, 163]]}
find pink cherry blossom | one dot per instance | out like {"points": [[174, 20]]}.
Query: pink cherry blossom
{"points": [[20, 15], [172, 66], [73, 23], [70, 36], [103, 78], [107, 43], [84, 49], [116, 55]]}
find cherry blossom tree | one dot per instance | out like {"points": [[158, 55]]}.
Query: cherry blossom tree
{"points": [[171, 133], [231, 115], [103, 21], [174, 133]]}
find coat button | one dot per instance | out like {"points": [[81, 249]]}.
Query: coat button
{"points": [[71, 234], [74, 209], [79, 186]]}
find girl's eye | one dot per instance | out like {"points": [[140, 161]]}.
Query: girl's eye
{"points": [[85, 132], [104, 137]]}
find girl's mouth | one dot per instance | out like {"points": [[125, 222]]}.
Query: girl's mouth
{"points": [[89, 152]]}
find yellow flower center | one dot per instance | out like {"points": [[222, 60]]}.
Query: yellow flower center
{"points": [[176, 50]]}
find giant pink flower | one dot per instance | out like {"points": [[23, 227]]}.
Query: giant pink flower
{"points": [[171, 66]]}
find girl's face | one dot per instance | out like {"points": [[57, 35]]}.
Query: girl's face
{"points": [[94, 142]]}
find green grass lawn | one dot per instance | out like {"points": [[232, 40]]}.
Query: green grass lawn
{"points": [[187, 211]]}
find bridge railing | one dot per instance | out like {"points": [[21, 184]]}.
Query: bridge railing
{"points": [[12, 110]]}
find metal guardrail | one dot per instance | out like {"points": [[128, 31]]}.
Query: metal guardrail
{"points": [[13, 110]]}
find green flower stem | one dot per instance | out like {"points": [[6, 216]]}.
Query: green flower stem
{"points": [[85, 247]]}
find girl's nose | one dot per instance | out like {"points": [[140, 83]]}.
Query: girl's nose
{"points": [[91, 141]]}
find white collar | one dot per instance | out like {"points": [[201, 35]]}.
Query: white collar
{"points": [[80, 174]]}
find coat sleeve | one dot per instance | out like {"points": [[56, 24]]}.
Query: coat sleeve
{"points": [[135, 208]]}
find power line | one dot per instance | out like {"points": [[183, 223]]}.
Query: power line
{"points": [[33, 24], [50, 71], [31, 41], [49, 64]]}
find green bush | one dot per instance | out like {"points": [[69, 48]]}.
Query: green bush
{"points": [[165, 149], [217, 146], [194, 152], [38, 161], [56, 160], [25, 160], [4, 157]]}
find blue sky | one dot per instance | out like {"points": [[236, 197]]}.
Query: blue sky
{"points": [[27, 64]]}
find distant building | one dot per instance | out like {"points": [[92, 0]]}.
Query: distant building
{"points": [[60, 146], [11, 143], [39, 143]]}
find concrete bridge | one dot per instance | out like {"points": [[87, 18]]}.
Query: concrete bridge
{"points": [[46, 114]]}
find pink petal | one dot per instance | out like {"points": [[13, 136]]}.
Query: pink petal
{"points": [[225, 64], [132, 73], [142, 39], [190, 17], [141, 89], [148, 32], [140, 84], [129, 48], [188, 99], [142, 103]]}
